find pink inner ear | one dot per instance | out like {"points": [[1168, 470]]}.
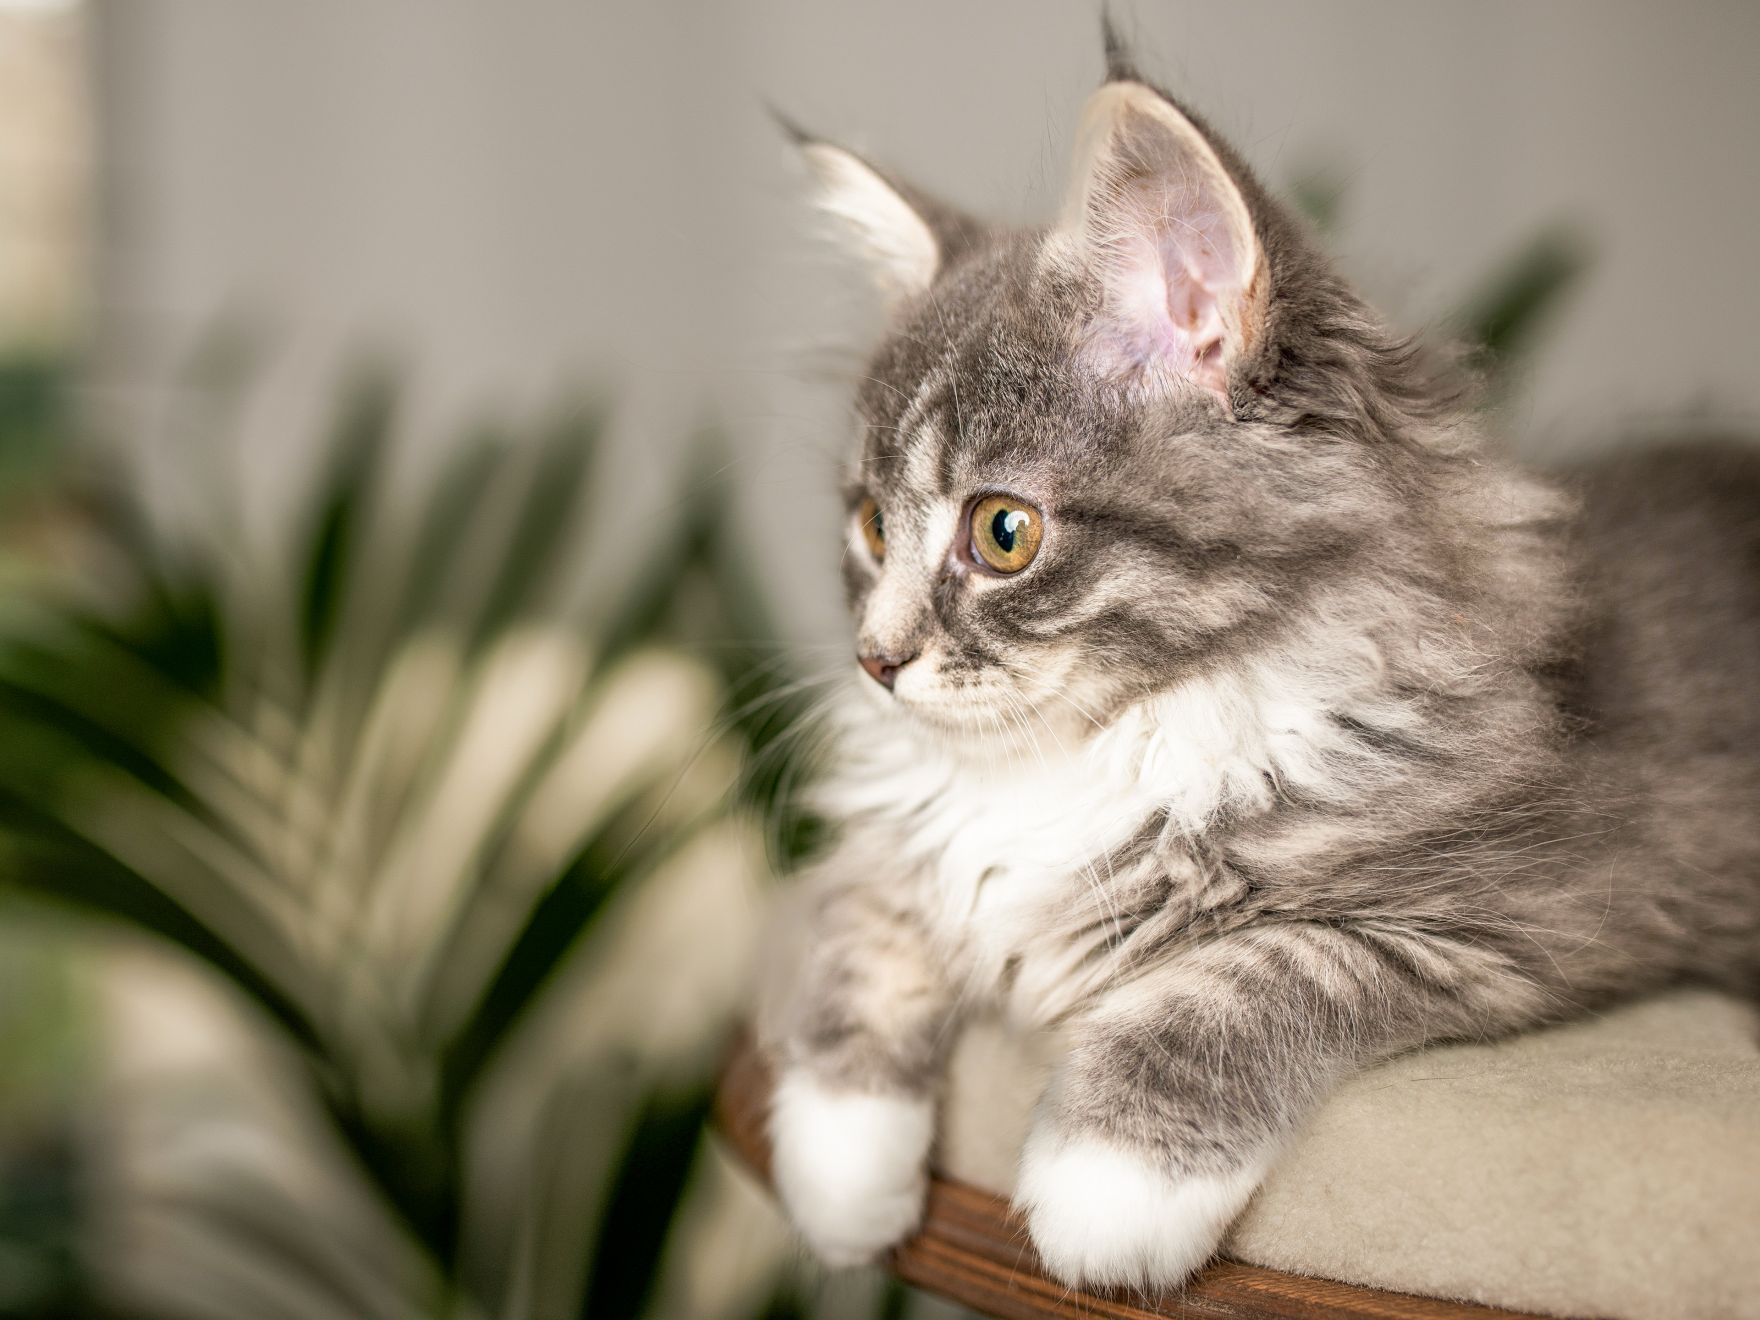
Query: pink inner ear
{"points": [[1169, 236], [1168, 266]]}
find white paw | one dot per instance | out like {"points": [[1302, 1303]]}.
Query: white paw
{"points": [[850, 1166], [1103, 1217]]}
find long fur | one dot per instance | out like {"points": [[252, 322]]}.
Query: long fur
{"points": [[1316, 731]]}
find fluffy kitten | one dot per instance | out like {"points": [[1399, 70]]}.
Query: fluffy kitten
{"points": [[1229, 704]]}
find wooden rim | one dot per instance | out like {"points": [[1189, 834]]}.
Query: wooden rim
{"points": [[973, 1249]]}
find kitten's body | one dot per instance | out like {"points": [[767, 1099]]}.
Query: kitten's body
{"points": [[1313, 734]]}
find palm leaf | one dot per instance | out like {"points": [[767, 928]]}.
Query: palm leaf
{"points": [[1503, 317], [343, 502], [380, 783], [662, 1150]]}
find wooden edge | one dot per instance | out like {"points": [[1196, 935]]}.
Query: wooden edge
{"points": [[973, 1249]]}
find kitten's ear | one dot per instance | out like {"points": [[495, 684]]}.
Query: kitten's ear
{"points": [[905, 236], [1153, 211]]}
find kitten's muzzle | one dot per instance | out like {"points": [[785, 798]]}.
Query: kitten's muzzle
{"points": [[883, 668]]}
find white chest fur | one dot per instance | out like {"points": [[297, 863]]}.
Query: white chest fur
{"points": [[1010, 848]]}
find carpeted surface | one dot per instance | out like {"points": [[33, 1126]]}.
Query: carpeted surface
{"points": [[1606, 1168]]}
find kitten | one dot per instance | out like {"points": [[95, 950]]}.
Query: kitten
{"points": [[1229, 704]]}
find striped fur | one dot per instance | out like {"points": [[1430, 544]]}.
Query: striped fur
{"points": [[1316, 731]]}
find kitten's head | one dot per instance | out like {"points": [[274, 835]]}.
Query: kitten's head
{"points": [[1098, 457]]}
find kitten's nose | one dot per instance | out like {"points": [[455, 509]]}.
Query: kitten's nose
{"points": [[883, 669]]}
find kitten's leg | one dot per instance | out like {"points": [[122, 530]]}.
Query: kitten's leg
{"points": [[859, 1050], [1183, 1083]]}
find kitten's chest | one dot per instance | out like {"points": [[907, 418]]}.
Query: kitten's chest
{"points": [[1019, 864], [1017, 886]]}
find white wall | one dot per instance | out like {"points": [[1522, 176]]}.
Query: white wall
{"points": [[526, 193]]}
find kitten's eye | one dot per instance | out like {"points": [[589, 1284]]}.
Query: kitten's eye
{"points": [[1005, 533], [873, 527]]}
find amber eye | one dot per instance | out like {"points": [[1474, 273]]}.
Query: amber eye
{"points": [[873, 527], [1005, 533]]}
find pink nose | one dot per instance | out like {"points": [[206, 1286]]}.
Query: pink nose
{"points": [[883, 669]]}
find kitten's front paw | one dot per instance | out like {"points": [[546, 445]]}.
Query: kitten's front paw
{"points": [[850, 1166], [1102, 1216]]}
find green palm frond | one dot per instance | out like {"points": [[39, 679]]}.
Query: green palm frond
{"points": [[1502, 318], [1499, 318], [389, 781]]}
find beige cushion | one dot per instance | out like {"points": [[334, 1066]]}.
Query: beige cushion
{"points": [[1610, 1167]]}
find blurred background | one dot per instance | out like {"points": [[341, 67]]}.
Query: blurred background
{"points": [[418, 423]]}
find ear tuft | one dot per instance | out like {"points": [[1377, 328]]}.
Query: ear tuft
{"points": [[1121, 65], [885, 221], [790, 126]]}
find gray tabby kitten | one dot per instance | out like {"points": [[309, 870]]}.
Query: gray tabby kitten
{"points": [[1230, 705]]}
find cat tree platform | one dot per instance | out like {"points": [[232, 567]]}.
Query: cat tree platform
{"points": [[973, 1250], [1608, 1168]]}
